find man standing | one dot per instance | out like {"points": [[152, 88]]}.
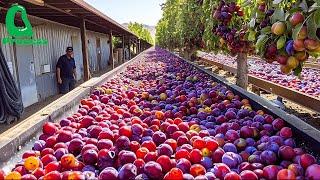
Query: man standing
{"points": [[66, 72]]}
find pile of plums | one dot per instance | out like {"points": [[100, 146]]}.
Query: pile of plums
{"points": [[306, 84], [164, 119]]}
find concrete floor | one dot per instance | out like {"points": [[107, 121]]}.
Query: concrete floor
{"points": [[29, 111]]}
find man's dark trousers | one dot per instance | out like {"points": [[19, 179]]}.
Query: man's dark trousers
{"points": [[67, 85]]}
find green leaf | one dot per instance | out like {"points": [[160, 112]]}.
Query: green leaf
{"points": [[288, 25], [261, 42], [252, 23], [316, 17], [296, 30], [312, 28], [252, 35], [278, 15], [293, 10], [298, 70], [313, 54], [277, 1], [304, 6], [314, 7], [281, 42], [287, 15], [266, 30]]}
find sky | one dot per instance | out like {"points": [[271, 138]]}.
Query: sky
{"points": [[124, 11]]}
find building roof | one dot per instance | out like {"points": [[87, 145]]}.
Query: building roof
{"points": [[70, 12]]}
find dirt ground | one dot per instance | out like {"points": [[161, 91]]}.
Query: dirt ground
{"points": [[309, 116]]}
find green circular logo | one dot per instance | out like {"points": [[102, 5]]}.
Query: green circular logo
{"points": [[11, 27]]}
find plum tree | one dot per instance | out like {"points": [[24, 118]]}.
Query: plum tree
{"points": [[292, 27], [181, 26]]}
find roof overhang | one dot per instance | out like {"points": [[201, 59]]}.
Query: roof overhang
{"points": [[69, 12]]}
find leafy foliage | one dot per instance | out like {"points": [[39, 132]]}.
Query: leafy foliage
{"points": [[141, 32], [182, 25]]}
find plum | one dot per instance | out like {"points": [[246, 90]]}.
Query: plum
{"points": [[188, 177], [232, 176], [229, 147], [286, 174], [104, 144], [165, 149], [184, 165], [313, 172], [306, 160], [246, 132], [159, 137], [75, 146], [231, 135], [270, 172], [286, 153], [220, 170], [206, 162], [197, 169], [39, 145], [109, 173], [165, 163], [123, 143], [268, 157], [247, 174], [195, 156], [153, 170], [127, 172], [286, 132], [106, 158], [126, 157], [297, 169], [231, 159]]}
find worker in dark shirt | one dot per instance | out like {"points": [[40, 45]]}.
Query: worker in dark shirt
{"points": [[66, 72]]}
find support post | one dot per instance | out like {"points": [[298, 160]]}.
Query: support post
{"points": [[84, 43], [111, 60], [123, 49], [242, 71], [139, 46], [129, 45]]}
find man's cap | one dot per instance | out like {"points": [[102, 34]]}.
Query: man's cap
{"points": [[69, 49]]}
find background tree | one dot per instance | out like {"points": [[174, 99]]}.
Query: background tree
{"points": [[142, 32], [181, 26]]}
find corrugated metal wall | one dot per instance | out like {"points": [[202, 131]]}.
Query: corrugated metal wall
{"points": [[59, 37], [92, 47], [8, 52]]}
